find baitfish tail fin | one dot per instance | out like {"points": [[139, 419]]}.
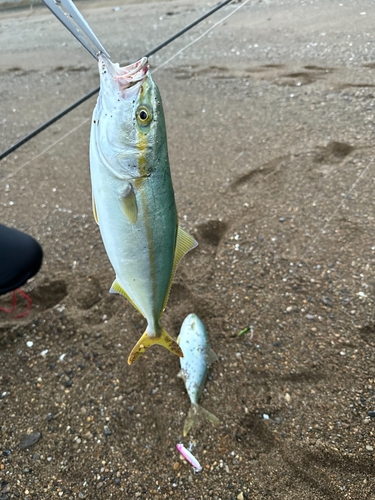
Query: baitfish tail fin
{"points": [[145, 342], [197, 411]]}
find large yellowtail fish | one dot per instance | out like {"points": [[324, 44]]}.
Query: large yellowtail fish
{"points": [[133, 198]]}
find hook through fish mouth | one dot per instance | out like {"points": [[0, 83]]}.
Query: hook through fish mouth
{"points": [[125, 76]]}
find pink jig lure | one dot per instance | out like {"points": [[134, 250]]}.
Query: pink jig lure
{"points": [[189, 457]]}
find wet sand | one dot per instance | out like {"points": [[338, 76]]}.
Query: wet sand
{"points": [[271, 138]]}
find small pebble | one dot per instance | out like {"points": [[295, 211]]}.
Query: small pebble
{"points": [[29, 440], [29, 343], [327, 301], [369, 448]]}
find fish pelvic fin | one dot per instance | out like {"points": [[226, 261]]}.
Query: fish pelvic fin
{"points": [[145, 342], [196, 412]]}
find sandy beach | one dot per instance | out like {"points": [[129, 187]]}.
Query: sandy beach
{"points": [[270, 120]]}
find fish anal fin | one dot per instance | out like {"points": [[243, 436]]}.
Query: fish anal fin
{"points": [[128, 203], [145, 342], [117, 288], [184, 243], [197, 411], [94, 210]]}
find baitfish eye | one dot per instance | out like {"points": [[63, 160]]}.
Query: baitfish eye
{"points": [[144, 116]]}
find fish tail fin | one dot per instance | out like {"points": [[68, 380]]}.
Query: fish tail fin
{"points": [[198, 411], [145, 342]]}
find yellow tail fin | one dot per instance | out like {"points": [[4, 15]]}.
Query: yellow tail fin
{"points": [[145, 342]]}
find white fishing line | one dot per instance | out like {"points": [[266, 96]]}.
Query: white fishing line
{"points": [[44, 151], [201, 36], [85, 121]]}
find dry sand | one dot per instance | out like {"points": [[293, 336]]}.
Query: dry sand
{"points": [[271, 137]]}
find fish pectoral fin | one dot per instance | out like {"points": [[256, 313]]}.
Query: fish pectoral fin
{"points": [[94, 210], [184, 244], [197, 411], [117, 288], [128, 203], [145, 342]]}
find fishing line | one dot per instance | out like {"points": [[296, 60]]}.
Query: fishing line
{"points": [[60, 115], [45, 150], [45, 125], [202, 35], [187, 28], [80, 101]]}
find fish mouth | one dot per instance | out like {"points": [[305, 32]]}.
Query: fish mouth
{"points": [[126, 76]]}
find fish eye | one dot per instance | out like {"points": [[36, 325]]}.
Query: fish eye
{"points": [[144, 115]]}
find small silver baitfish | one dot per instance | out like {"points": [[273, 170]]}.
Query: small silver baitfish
{"points": [[133, 197], [198, 356]]}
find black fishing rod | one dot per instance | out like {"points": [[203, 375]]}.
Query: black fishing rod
{"points": [[80, 101]]}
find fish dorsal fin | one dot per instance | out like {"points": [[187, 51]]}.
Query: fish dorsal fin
{"points": [[184, 244], [117, 288], [211, 356], [128, 203], [94, 210]]}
